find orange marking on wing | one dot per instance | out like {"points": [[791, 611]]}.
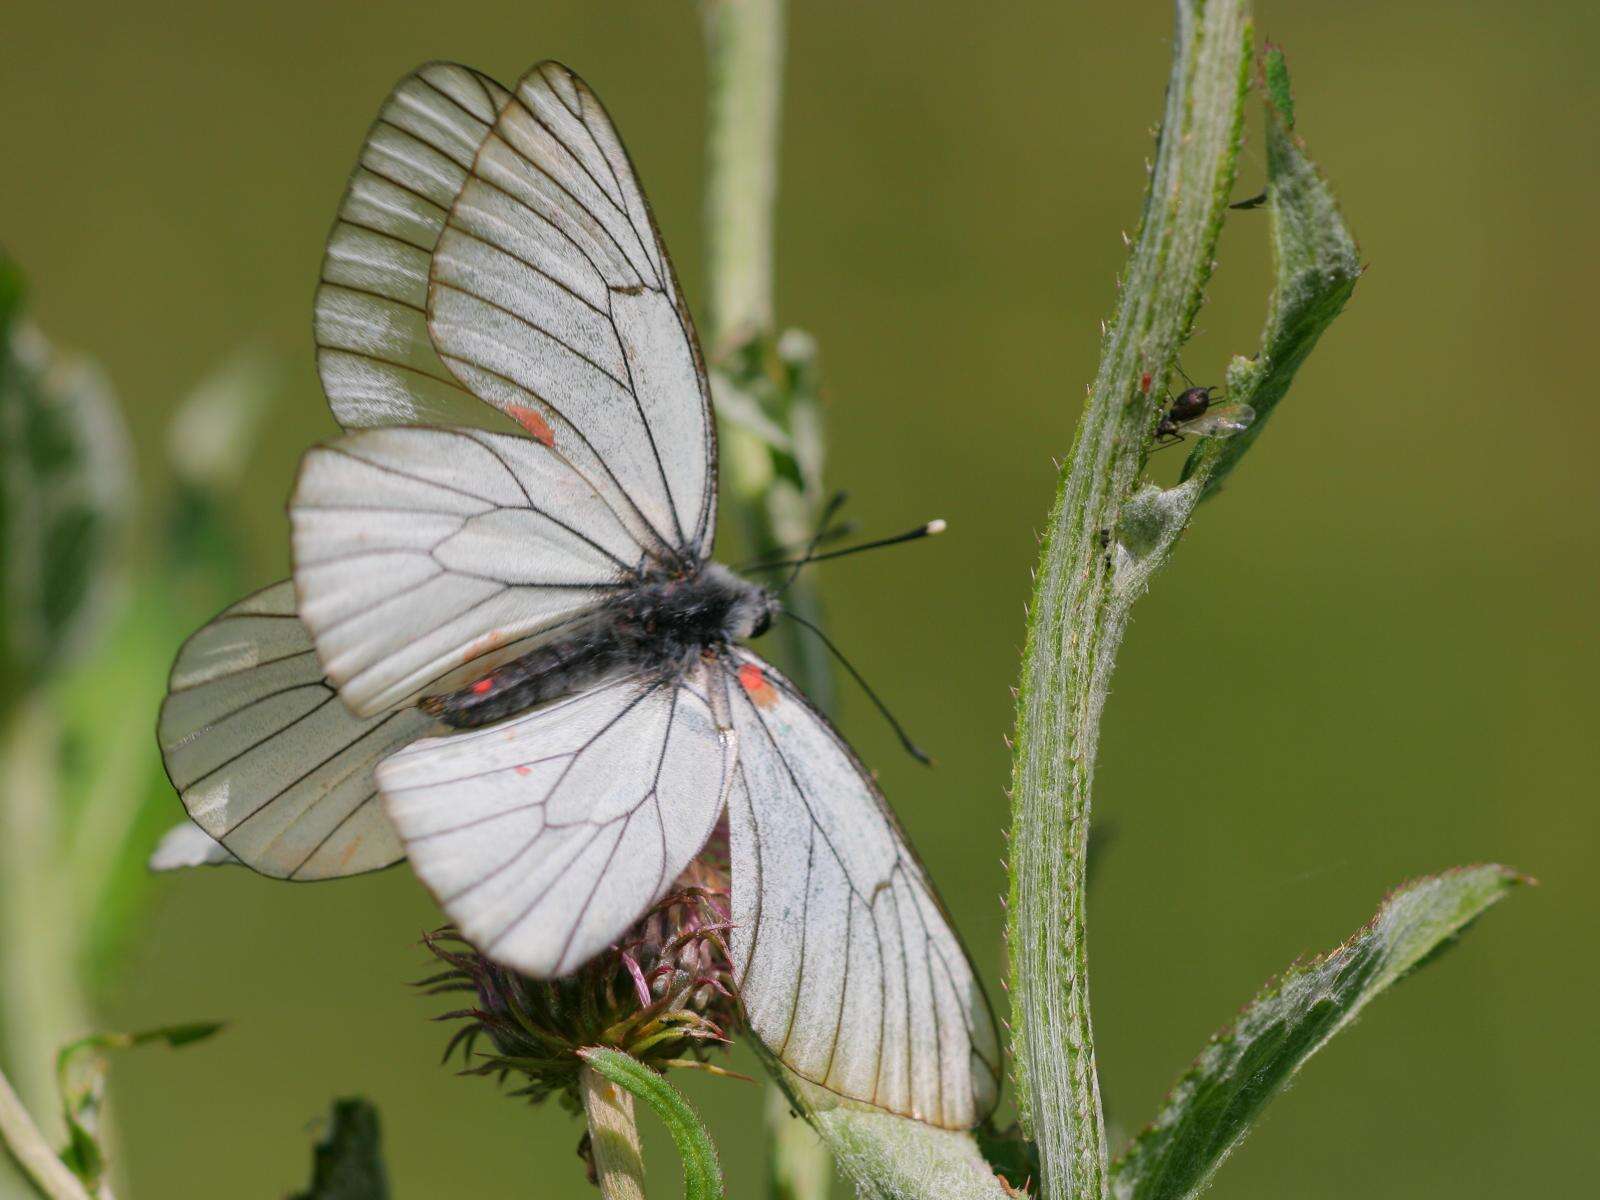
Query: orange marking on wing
{"points": [[349, 853], [533, 421], [482, 686], [754, 681], [524, 769]]}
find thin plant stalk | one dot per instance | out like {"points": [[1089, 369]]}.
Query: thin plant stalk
{"points": [[29, 1148], [745, 55], [613, 1137], [40, 996]]}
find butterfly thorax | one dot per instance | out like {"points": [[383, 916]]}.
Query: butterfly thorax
{"points": [[656, 627]]}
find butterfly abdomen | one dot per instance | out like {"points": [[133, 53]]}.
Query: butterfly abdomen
{"points": [[656, 629]]}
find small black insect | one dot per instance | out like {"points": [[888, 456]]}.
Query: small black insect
{"points": [[1189, 405], [1192, 412]]}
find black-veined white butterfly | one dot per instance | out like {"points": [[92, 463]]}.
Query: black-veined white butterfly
{"points": [[505, 652]]}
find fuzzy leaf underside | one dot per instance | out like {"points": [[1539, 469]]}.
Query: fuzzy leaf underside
{"points": [[1213, 1105], [1316, 265], [702, 1172]]}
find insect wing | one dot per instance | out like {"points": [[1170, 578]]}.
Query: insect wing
{"points": [[849, 970], [187, 845], [552, 298], [267, 760], [1225, 421], [546, 836], [419, 551], [376, 360]]}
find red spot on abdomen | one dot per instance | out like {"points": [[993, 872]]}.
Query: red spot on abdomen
{"points": [[754, 681], [533, 421], [483, 685]]}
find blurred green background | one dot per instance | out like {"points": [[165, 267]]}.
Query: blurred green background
{"points": [[1374, 655]]}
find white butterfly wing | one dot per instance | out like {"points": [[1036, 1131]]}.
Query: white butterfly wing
{"points": [[546, 836], [552, 294], [374, 355], [187, 845], [849, 970], [267, 760], [418, 551]]}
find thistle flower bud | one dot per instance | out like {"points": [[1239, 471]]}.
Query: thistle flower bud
{"points": [[663, 993]]}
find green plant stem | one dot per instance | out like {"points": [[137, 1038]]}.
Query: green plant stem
{"points": [[1080, 602], [28, 1146], [799, 1166], [613, 1137], [744, 43], [40, 999], [744, 54]]}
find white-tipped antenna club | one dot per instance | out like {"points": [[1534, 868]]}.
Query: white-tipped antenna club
{"points": [[921, 531]]}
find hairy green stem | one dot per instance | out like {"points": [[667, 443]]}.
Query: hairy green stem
{"points": [[1084, 585]]}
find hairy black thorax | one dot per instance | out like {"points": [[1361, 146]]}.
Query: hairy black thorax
{"points": [[658, 626]]}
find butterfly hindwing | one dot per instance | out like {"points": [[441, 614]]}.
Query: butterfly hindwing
{"points": [[848, 968], [546, 836], [420, 551], [266, 758]]}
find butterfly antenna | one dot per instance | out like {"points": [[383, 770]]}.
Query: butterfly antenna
{"points": [[916, 751], [825, 533], [910, 535], [828, 512]]}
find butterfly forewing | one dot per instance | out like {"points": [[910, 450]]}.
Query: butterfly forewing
{"points": [[546, 836], [849, 970], [267, 759], [553, 299], [377, 363]]}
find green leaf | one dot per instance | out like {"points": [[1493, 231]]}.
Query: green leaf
{"points": [[64, 496], [81, 1077], [702, 1173], [1316, 268], [347, 1164], [1275, 69], [1214, 1104]]}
